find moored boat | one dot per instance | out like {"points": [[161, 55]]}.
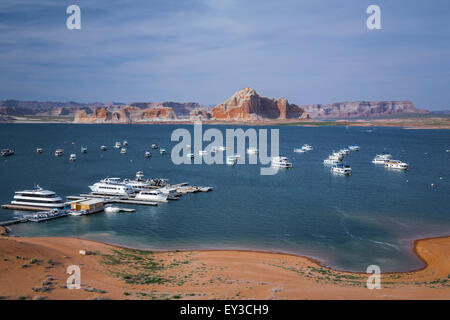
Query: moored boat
{"points": [[38, 197], [381, 158], [396, 164], [342, 169], [6, 152], [281, 162]]}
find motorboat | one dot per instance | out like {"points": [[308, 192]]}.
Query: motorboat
{"points": [[112, 209], [151, 195], [73, 157], [59, 152], [6, 152], [299, 150], [331, 161], [45, 215], [83, 149], [125, 143], [232, 160], [118, 145], [155, 146], [344, 151], [307, 147], [148, 154], [123, 150], [111, 186], [354, 148], [381, 158], [39, 150], [170, 192], [396, 164], [252, 150], [281, 162], [38, 197], [342, 169], [103, 148], [162, 151]]}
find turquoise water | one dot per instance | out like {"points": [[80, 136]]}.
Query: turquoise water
{"points": [[346, 222]]}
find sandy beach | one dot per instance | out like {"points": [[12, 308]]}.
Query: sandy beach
{"points": [[35, 268]]}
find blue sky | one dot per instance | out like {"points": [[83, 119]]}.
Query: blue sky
{"points": [[311, 51]]}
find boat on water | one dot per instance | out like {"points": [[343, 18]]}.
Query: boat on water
{"points": [[112, 209], [125, 143], [342, 169], [39, 150], [354, 148], [111, 187], [103, 148], [307, 147], [151, 195], [381, 158], [252, 150], [73, 157], [299, 150], [331, 161], [38, 197], [6, 152], [45, 215], [83, 149], [281, 162], [344, 152], [171, 192], [396, 164], [118, 145], [123, 150], [148, 154], [232, 160], [155, 146], [162, 151], [59, 152]]}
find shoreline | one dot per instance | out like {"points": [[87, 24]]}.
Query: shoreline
{"points": [[235, 270], [425, 123], [315, 260]]}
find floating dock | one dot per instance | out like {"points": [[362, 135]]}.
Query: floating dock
{"points": [[108, 200], [45, 219]]}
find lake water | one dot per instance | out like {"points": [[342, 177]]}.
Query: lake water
{"points": [[348, 223]]}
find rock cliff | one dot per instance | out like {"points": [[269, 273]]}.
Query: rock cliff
{"points": [[247, 105]]}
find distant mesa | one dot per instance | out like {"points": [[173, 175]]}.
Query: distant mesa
{"points": [[361, 109], [243, 106], [247, 105]]}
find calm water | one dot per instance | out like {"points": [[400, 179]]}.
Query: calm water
{"points": [[346, 222]]}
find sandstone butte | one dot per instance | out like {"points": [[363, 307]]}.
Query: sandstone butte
{"points": [[247, 105], [128, 114]]}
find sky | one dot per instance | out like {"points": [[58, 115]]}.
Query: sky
{"points": [[309, 51]]}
